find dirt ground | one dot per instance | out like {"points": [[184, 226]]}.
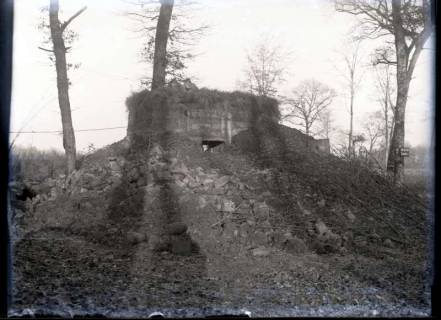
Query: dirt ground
{"points": [[189, 233]]}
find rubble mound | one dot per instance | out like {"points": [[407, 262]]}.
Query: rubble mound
{"points": [[260, 223]]}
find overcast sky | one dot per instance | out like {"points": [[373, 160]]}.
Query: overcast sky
{"points": [[109, 52]]}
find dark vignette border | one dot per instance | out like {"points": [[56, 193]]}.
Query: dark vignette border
{"points": [[6, 32], [6, 45], [435, 290]]}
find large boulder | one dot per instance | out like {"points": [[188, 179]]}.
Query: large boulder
{"points": [[295, 245], [177, 228], [181, 245]]}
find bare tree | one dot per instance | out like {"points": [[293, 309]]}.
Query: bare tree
{"points": [[386, 90], [309, 99], [170, 36], [265, 69], [352, 76], [407, 24], [373, 130], [58, 35]]}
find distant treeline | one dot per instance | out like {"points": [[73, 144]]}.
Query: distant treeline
{"points": [[34, 164]]}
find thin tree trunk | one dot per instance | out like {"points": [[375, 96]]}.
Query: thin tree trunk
{"points": [[351, 120], [161, 39], [391, 131], [307, 128], [386, 120], [63, 87], [386, 149]]}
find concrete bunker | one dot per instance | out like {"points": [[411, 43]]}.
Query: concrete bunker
{"points": [[210, 118], [203, 115]]}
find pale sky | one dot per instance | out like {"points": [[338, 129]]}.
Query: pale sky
{"points": [[109, 52]]}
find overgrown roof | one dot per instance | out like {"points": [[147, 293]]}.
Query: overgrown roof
{"points": [[235, 102]]}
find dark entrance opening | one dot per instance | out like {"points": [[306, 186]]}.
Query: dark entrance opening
{"points": [[210, 145]]}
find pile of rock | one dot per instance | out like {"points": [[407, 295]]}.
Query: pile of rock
{"points": [[236, 205], [240, 213]]}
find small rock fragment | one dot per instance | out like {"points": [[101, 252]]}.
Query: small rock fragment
{"points": [[266, 225], [388, 243], [261, 252], [259, 238], [351, 216], [228, 206], [142, 182], [217, 191], [135, 237], [304, 211], [261, 210], [321, 227], [221, 182]]}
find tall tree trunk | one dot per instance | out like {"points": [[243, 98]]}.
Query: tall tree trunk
{"points": [[396, 161], [63, 86], [161, 39], [406, 62]]}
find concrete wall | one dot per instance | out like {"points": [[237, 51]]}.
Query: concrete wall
{"points": [[200, 114], [271, 138]]}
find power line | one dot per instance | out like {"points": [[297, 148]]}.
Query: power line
{"points": [[60, 131]]}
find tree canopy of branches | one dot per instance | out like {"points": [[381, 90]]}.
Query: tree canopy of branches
{"points": [[265, 69], [373, 129], [169, 35], [406, 24], [308, 101], [58, 35]]}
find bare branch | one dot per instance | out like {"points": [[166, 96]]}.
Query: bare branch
{"points": [[143, 16], [182, 35], [66, 23], [44, 49]]}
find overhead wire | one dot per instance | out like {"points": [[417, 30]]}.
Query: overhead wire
{"points": [[80, 130], [29, 118]]}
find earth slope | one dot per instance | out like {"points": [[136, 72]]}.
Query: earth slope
{"points": [[168, 227]]}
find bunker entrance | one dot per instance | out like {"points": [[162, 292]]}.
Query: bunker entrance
{"points": [[212, 145]]}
